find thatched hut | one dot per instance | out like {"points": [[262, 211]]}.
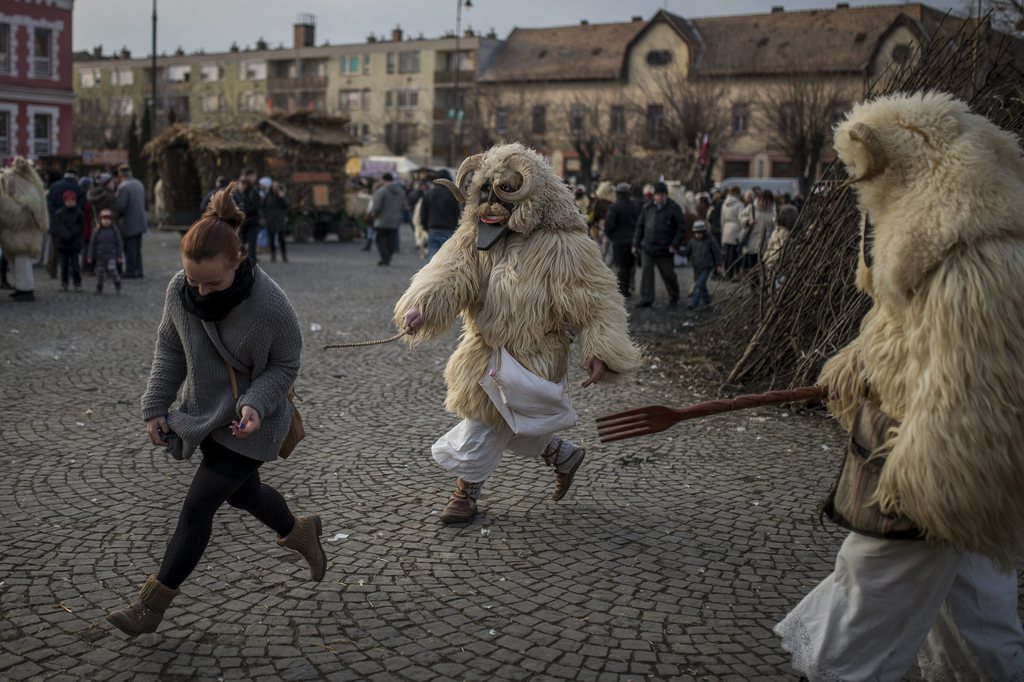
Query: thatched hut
{"points": [[310, 158], [190, 159]]}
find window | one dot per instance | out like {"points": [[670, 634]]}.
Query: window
{"points": [[456, 61], [501, 121], [787, 119], [391, 62], [740, 118], [655, 122], [42, 134], [407, 99], [252, 70], [618, 119], [122, 106], [210, 104], [313, 67], [366, 65], [5, 134], [538, 124], [901, 53], [350, 64], [252, 101], [6, 56], [312, 100], [576, 119], [179, 73], [408, 62], [389, 99], [349, 100], [211, 72], [399, 136], [89, 78], [42, 52], [737, 168], [123, 77], [659, 58]]}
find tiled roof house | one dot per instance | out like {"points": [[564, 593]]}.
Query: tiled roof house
{"points": [[547, 67]]}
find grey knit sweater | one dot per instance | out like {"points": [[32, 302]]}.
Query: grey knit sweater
{"points": [[263, 333]]}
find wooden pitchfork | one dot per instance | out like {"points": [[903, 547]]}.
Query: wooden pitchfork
{"points": [[642, 421]]}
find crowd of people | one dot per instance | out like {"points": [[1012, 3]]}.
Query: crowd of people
{"points": [[96, 225], [728, 234]]}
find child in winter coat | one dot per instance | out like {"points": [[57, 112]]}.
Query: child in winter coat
{"points": [[106, 251], [68, 231], [706, 257]]}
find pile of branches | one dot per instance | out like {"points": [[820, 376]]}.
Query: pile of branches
{"points": [[780, 329]]}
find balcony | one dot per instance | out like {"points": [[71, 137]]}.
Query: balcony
{"points": [[448, 77], [297, 83]]}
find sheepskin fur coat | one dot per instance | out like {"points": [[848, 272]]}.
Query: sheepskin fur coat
{"points": [[942, 348], [23, 215], [539, 284]]}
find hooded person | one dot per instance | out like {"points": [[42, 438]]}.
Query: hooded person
{"points": [[526, 280], [931, 391]]}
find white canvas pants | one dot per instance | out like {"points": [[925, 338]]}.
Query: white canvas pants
{"points": [[473, 449], [888, 600], [24, 279]]}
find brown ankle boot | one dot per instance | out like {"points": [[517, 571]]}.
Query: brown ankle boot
{"points": [[305, 539], [461, 505], [145, 613], [565, 457]]}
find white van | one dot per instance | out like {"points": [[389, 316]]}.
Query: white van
{"points": [[774, 185]]}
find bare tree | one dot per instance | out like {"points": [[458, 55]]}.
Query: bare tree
{"points": [[797, 115], [481, 106], [399, 130], [600, 127], [679, 111], [98, 129], [1006, 15]]}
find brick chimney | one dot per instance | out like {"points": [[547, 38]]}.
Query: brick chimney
{"points": [[305, 30], [396, 34]]}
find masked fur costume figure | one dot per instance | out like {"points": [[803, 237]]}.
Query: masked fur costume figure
{"points": [[23, 222], [938, 373], [523, 274]]}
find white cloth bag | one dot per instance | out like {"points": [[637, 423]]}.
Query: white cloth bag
{"points": [[531, 405]]}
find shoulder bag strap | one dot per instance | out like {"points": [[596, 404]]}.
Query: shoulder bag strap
{"points": [[229, 360]]}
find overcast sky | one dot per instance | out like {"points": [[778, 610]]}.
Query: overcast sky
{"points": [[212, 25]]}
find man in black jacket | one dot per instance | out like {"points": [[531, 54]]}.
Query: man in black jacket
{"points": [[440, 215], [248, 199], [619, 226], [659, 234]]}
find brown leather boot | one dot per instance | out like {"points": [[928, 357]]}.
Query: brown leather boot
{"points": [[145, 613], [461, 505], [305, 539], [566, 457]]}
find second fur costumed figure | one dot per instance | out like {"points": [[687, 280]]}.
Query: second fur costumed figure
{"points": [[525, 277]]}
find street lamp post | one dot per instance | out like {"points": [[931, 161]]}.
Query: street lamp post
{"points": [[152, 79], [456, 112]]}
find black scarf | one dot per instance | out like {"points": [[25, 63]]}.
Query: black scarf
{"points": [[216, 306]]}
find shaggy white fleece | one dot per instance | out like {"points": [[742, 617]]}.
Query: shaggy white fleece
{"points": [[23, 214], [528, 293], [942, 348]]}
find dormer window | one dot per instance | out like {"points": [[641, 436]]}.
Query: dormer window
{"points": [[901, 53], [659, 58]]}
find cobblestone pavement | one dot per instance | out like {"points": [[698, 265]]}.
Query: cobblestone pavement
{"points": [[671, 558]]}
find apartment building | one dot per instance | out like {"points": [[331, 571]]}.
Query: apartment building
{"points": [[397, 92], [36, 96]]}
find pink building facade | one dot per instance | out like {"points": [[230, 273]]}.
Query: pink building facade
{"points": [[36, 92]]}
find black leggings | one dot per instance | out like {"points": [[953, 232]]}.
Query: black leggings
{"points": [[223, 476]]}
